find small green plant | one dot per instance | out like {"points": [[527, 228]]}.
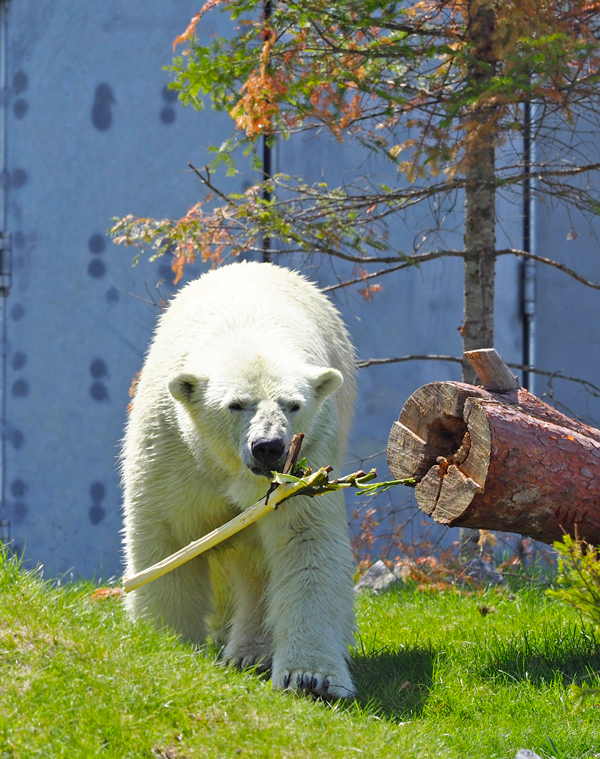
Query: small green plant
{"points": [[579, 585], [579, 578]]}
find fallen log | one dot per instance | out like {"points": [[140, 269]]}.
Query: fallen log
{"points": [[498, 458]]}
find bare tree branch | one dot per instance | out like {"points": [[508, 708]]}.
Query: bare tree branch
{"points": [[589, 386], [206, 180], [364, 363], [419, 258], [555, 264], [409, 261]]}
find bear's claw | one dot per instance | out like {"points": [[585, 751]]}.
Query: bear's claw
{"points": [[315, 683]]}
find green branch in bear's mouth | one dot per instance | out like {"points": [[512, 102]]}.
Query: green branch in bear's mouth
{"points": [[284, 485]]}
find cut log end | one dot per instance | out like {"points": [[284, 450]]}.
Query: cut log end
{"points": [[445, 493], [451, 463], [431, 427]]}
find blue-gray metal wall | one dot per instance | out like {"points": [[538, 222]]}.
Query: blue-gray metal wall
{"points": [[92, 133], [568, 313]]}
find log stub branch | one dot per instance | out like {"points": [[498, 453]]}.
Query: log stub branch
{"points": [[492, 370], [498, 460]]}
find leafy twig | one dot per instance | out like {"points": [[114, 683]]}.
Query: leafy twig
{"points": [[287, 485]]}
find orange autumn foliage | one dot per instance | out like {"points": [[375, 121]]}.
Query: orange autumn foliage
{"points": [[262, 92]]}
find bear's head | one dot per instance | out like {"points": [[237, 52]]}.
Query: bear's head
{"points": [[245, 410]]}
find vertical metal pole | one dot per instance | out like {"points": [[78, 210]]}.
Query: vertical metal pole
{"points": [[267, 170], [266, 196], [528, 268], [5, 270], [527, 276]]}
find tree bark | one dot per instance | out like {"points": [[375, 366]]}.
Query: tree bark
{"points": [[480, 192], [498, 461]]}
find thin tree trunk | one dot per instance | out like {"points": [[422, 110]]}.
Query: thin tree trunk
{"points": [[480, 192], [480, 214], [480, 259]]}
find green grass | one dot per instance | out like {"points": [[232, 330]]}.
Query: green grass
{"points": [[436, 677]]}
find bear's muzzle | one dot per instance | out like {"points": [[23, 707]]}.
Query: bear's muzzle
{"points": [[268, 455]]}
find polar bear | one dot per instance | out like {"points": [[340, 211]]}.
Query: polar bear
{"points": [[243, 358]]}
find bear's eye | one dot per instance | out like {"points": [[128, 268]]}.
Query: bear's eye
{"points": [[294, 407], [235, 406]]}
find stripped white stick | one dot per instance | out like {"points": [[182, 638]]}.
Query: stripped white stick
{"points": [[251, 514]]}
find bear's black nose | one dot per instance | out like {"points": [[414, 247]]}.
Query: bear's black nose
{"points": [[268, 453]]}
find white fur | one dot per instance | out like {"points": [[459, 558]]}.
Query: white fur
{"points": [[264, 340]]}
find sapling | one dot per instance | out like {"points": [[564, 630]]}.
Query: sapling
{"points": [[579, 584]]}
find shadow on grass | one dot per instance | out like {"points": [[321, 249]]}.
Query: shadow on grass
{"points": [[394, 684], [569, 654]]}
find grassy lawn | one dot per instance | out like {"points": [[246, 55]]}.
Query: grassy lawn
{"points": [[440, 675]]}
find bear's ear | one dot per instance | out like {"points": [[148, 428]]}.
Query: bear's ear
{"points": [[326, 382], [184, 387]]}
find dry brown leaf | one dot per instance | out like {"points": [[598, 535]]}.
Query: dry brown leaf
{"points": [[103, 593]]}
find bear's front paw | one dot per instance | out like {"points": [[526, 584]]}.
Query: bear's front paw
{"points": [[328, 686]]}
